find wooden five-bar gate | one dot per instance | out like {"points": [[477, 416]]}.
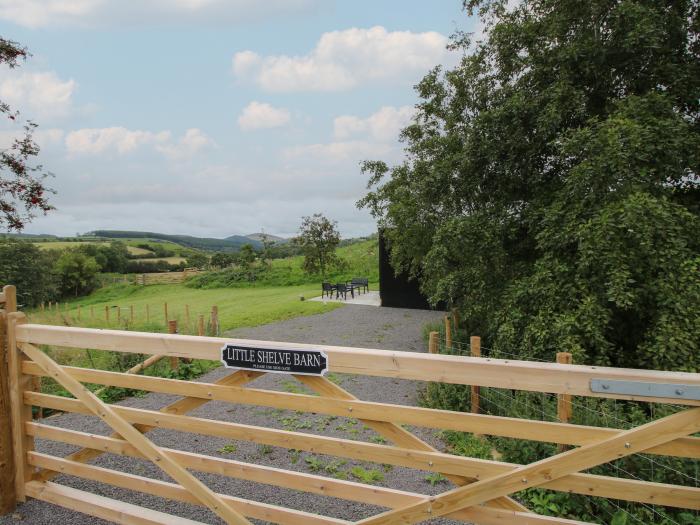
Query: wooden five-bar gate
{"points": [[483, 487]]}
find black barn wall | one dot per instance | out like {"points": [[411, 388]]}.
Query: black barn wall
{"points": [[397, 291]]}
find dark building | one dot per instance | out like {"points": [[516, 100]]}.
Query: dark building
{"points": [[397, 291]]}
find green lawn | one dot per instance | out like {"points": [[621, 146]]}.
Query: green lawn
{"points": [[245, 306]]}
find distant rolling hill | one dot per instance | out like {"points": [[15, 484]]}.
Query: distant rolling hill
{"points": [[259, 237], [230, 244]]}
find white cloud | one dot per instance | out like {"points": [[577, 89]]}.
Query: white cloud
{"points": [[259, 115], [193, 141], [41, 95], [96, 141], [343, 59], [347, 153], [101, 140], [44, 13], [384, 125]]}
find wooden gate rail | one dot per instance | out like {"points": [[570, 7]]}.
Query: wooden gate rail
{"points": [[348, 490], [563, 433], [552, 378], [585, 484], [101, 507], [484, 486]]}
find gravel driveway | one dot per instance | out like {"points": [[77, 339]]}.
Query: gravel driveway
{"points": [[362, 326]]}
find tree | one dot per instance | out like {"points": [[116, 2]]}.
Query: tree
{"points": [[30, 270], [550, 189], [318, 238], [22, 190], [77, 272], [267, 247], [222, 260], [197, 260], [246, 255]]}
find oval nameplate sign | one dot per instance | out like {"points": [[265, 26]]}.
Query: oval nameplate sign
{"points": [[277, 360]]}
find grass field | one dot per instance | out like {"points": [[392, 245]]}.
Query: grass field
{"points": [[249, 306], [169, 260], [61, 245]]}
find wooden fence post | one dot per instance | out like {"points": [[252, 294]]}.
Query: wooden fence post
{"points": [[564, 407], [42, 306], [131, 313], [148, 314], [172, 329], [187, 317], [8, 496], [79, 312], [119, 314], [215, 320], [448, 333], [433, 343], [200, 325], [20, 413], [455, 318], [107, 313], [92, 312], [475, 351], [165, 312]]}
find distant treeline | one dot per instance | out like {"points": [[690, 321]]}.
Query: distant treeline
{"points": [[231, 244]]}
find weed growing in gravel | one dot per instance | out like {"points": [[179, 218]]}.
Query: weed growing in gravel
{"points": [[294, 455], [265, 449], [228, 449], [367, 476], [435, 478], [314, 463]]}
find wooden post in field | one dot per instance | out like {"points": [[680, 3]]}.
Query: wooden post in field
{"points": [[564, 407], [448, 333], [165, 312], [215, 320], [148, 314], [119, 314], [107, 313], [187, 317], [42, 306], [131, 313], [433, 345], [475, 351], [8, 496], [172, 329], [79, 307], [200, 325]]}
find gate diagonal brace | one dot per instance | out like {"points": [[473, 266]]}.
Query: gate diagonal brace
{"points": [[181, 406], [399, 435], [151, 451], [621, 445]]}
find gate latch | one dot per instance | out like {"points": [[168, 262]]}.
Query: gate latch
{"points": [[643, 389]]}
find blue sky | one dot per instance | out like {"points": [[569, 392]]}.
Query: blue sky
{"points": [[217, 117]]}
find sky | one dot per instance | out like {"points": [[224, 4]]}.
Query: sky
{"points": [[217, 117]]}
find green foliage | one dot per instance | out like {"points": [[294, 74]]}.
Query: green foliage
{"points": [[371, 477], [77, 272], [358, 260], [228, 449], [30, 270], [318, 238], [551, 187]]}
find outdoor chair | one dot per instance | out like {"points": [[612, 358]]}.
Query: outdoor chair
{"points": [[327, 289], [343, 289]]}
